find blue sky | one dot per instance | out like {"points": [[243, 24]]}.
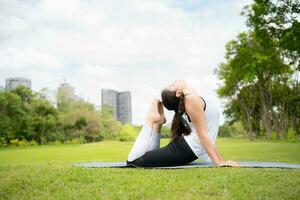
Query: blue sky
{"points": [[134, 45]]}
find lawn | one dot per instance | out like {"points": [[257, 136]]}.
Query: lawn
{"points": [[46, 172]]}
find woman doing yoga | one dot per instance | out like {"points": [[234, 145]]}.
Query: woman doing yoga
{"points": [[194, 131]]}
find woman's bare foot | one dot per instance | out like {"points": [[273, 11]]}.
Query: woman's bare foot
{"points": [[155, 114]]}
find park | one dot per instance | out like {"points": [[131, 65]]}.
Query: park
{"points": [[118, 57], [46, 172]]}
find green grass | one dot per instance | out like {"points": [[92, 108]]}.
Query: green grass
{"points": [[46, 172]]}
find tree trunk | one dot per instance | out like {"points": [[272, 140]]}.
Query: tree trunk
{"points": [[247, 113], [265, 112]]}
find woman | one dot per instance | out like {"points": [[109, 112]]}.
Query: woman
{"points": [[190, 140]]}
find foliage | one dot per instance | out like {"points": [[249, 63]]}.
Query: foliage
{"points": [[79, 140], [260, 74], [235, 129], [291, 135], [29, 116], [109, 125], [128, 133], [165, 132], [17, 142]]}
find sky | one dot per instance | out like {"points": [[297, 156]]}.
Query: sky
{"points": [[127, 45]]}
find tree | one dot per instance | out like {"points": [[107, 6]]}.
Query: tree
{"points": [[260, 66], [110, 127], [128, 133], [11, 115], [45, 118]]}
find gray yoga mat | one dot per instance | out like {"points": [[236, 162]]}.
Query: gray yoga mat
{"points": [[254, 164]]}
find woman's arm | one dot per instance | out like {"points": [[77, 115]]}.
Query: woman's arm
{"points": [[194, 109], [219, 155]]}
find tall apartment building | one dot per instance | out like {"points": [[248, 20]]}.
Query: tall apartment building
{"points": [[120, 102], [124, 107], [66, 92], [49, 95], [110, 97], [12, 83]]}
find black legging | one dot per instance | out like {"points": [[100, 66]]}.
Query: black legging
{"points": [[177, 152]]}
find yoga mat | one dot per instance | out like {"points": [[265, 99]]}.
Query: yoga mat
{"points": [[254, 164]]}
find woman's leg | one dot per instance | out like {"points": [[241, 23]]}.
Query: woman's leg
{"points": [[149, 136], [146, 152], [142, 143], [155, 139], [175, 153]]}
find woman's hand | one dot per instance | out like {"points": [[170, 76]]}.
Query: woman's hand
{"points": [[228, 163]]}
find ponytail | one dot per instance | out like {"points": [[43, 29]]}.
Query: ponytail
{"points": [[179, 125]]}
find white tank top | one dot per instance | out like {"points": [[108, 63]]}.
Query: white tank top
{"points": [[212, 117]]}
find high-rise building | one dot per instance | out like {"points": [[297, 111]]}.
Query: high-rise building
{"points": [[110, 97], [12, 83], [49, 95], [65, 92], [120, 103], [1, 88], [124, 107]]}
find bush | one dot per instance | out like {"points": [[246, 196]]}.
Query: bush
{"points": [[17, 142], [224, 131], [165, 132], [128, 133], [3, 141], [273, 135], [75, 141], [22, 143], [33, 143], [14, 142], [56, 142], [291, 135], [235, 129]]}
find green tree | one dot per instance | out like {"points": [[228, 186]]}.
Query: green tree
{"points": [[80, 120], [11, 115], [128, 133], [260, 67], [110, 127], [45, 118]]}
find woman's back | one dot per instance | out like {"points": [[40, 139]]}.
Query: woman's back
{"points": [[212, 118]]}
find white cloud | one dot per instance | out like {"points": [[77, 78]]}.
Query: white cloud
{"points": [[30, 63], [139, 46], [28, 59]]}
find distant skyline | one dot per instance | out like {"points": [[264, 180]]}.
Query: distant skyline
{"points": [[137, 46]]}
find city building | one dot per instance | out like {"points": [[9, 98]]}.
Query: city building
{"points": [[120, 103], [66, 92], [124, 107], [12, 83], [110, 97], [49, 95], [1, 88]]}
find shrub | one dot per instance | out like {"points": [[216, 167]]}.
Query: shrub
{"points": [[224, 131], [75, 141], [3, 141], [33, 143], [14, 142], [273, 135], [22, 143], [291, 135], [165, 132], [128, 133], [17, 142], [56, 142]]}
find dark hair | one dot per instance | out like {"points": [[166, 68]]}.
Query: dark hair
{"points": [[179, 125]]}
